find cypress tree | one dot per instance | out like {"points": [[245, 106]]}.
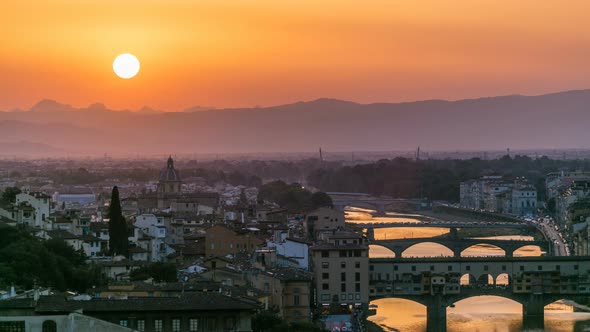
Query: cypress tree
{"points": [[118, 242]]}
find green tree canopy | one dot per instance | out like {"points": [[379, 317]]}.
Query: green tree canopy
{"points": [[26, 260], [9, 195], [158, 271], [320, 199]]}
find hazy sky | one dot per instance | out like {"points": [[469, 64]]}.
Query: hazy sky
{"points": [[265, 52]]}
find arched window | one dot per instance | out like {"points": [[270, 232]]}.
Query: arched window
{"points": [[49, 326]]}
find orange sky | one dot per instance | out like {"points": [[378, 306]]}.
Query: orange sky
{"points": [[265, 52]]}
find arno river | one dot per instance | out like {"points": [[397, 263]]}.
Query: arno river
{"points": [[481, 314]]}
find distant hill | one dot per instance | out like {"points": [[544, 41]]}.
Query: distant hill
{"points": [[557, 120], [28, 149]]}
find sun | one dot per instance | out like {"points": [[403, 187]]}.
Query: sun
{"points": [[126, 65]]}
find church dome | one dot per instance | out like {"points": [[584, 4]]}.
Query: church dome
{"points": [[169, 173]]}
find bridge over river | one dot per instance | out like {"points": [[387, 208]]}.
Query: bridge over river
{"points": [[457, 246], [435, 283], [341, 200]]}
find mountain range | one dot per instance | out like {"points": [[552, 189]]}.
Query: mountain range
{"points": [[556, 120]]}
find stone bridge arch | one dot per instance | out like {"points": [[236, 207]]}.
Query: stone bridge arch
{"points": [[467, 279], [529, 245], [403, 249], [470, 246], [503, 279], [381, 251]]}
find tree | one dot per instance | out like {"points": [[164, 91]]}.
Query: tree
{"points": [[9, 194], [118, 242], [26, 260], [266, 321], [321, 199], [158, 271]]}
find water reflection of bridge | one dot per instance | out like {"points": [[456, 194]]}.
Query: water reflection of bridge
{"points": [[441, 224], [435, 283]]}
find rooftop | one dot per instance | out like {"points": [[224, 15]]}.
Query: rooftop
{"points": [[203, 301]]}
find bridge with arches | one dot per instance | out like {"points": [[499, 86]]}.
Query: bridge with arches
{"points": [[438, 283], [457, 246]]}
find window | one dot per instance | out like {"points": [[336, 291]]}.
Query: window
{"points": [[371, 267], [342, 276], [325, 265], [540, 268], [575, 267], [342, 253], [295, 299], [431, 267], [343, 265], [325, 297], [357, 276], [522, 268], [414, 268], [325, 275], [141, 325], [395, 268], [558, 267], [343, 287], [48, 326], [325, 254], [176, 325], [357, 296], [325, 286], [485, 267], [357, 265], [503, 267], [158, 325], [15, 326], [450, 268], [123, 322], [468, 268], [357, 253], [357, 287]]}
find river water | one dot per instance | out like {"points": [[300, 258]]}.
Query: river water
{"points": [[477, 314]]}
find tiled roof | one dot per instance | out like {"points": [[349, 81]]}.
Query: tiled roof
{"points": [[62, 234], [137, 250], [290, 274], [202, 301]]}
